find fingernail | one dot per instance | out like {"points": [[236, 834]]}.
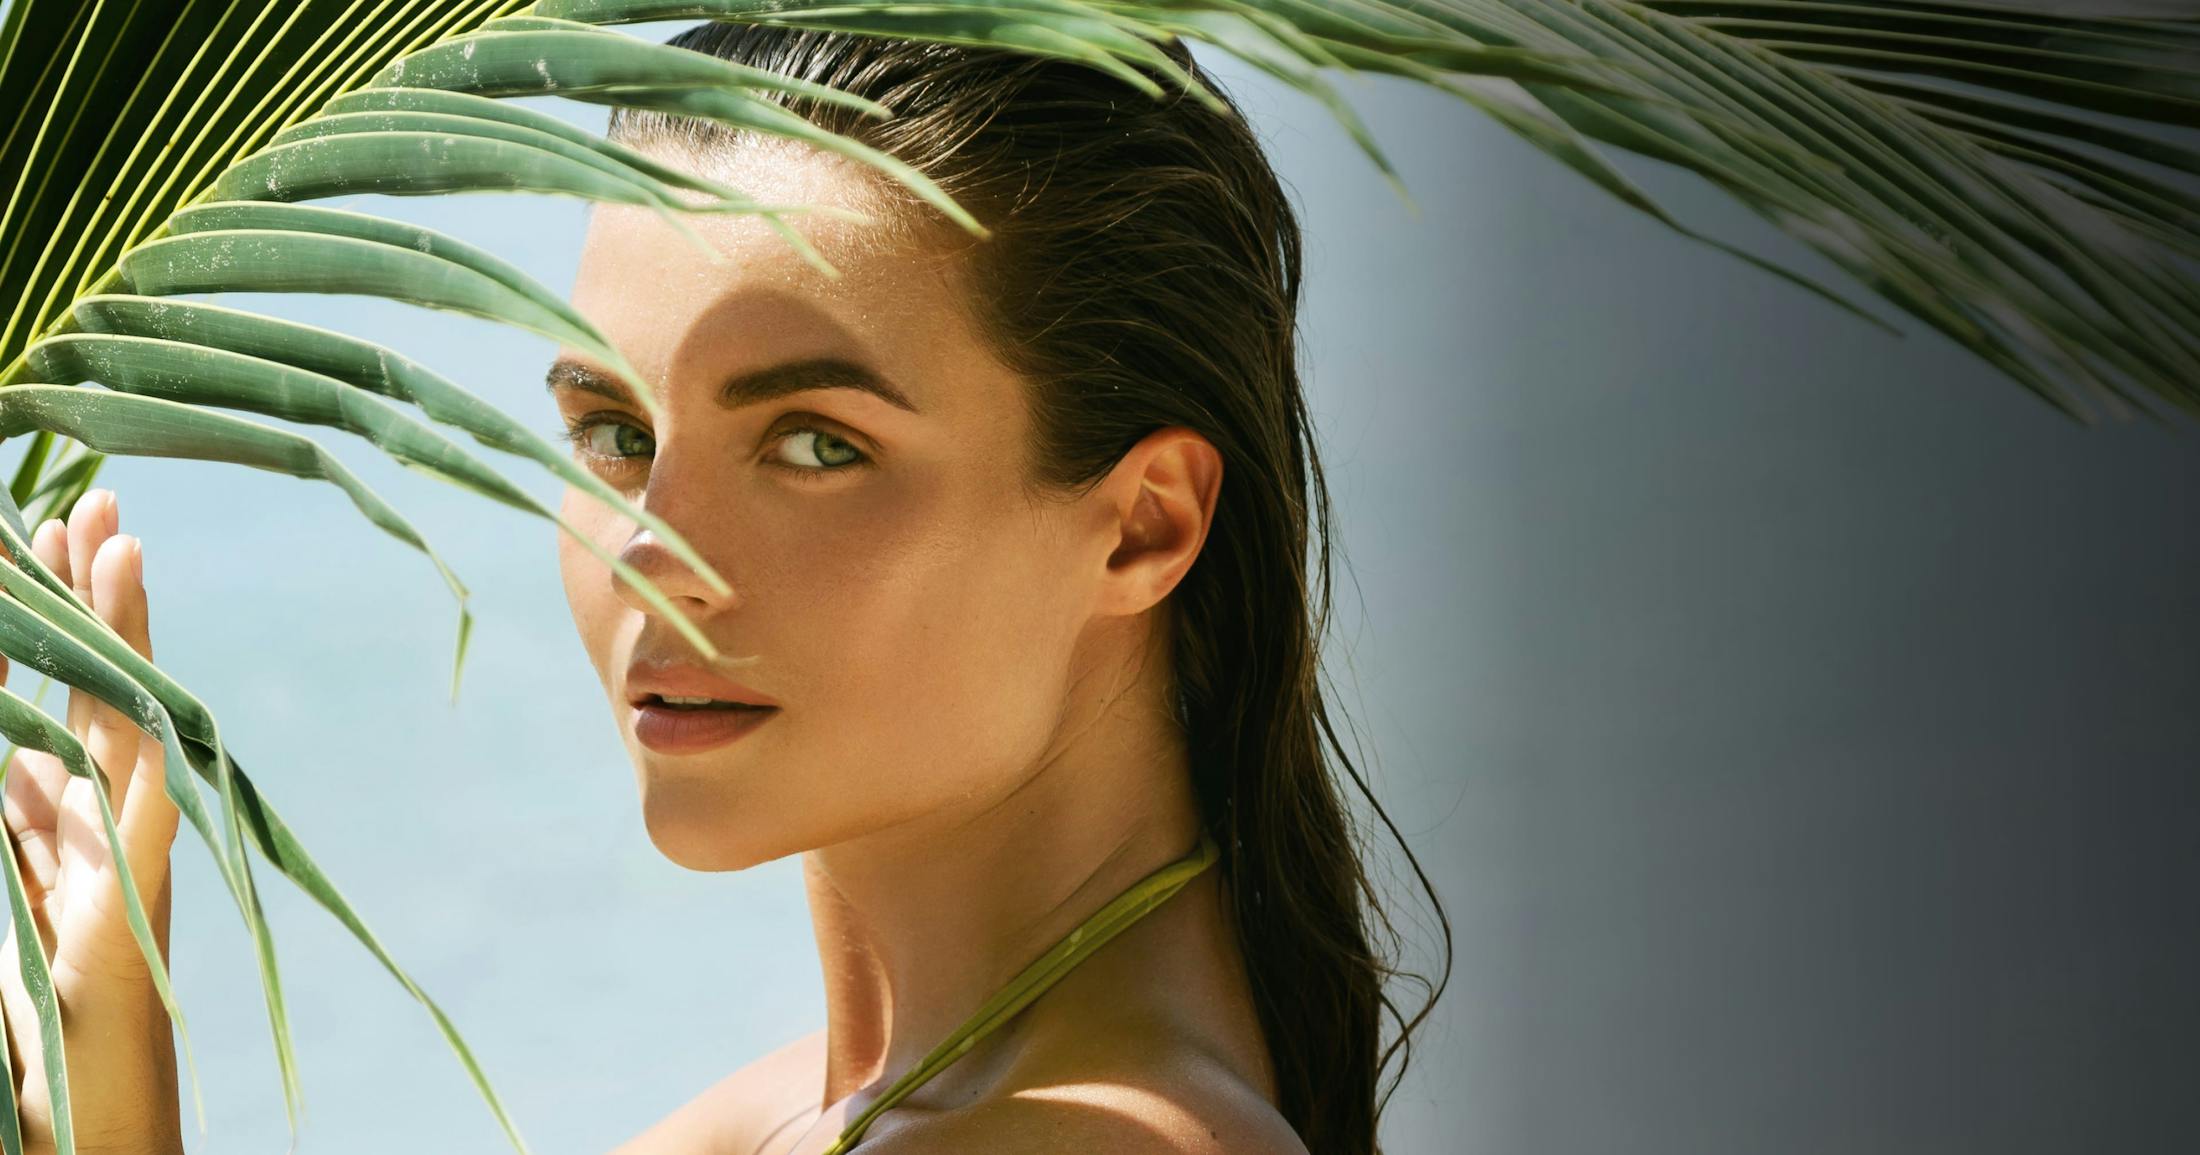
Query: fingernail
{"points": [[137, 560]]}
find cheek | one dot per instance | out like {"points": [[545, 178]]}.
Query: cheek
{"points": [[920, 633], [937, 634], [589, 595]]}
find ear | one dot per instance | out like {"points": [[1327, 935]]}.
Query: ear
{"points": [[1161, 499]]}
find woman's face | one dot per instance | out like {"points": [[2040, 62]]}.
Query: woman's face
{"points": [[914, 616]]}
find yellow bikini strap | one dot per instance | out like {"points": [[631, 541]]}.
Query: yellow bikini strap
{"points": [[1094, 933]]}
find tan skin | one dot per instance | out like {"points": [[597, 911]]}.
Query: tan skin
{"points": [[973, 750]]}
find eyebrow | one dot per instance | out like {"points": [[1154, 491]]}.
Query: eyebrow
{"points": [[748, 388]]}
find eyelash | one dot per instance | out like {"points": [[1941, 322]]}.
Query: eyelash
{"points": [[578, 427]]}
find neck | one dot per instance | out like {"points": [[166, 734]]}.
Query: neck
{"points": [[920, 924]]}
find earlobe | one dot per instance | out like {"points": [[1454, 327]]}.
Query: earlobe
{"points": [[1166, 490]]}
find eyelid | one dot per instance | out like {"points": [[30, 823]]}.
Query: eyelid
{"points": [[576, 429], [819, 423], [781, 433], [596, 416]]}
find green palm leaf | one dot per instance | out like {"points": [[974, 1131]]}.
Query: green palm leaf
{"points": [[1999, 172]]}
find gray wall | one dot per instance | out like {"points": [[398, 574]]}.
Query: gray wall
{"points": [[1799, 722]]}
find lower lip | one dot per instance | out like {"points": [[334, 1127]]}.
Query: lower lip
{"points": [[674, 731]]}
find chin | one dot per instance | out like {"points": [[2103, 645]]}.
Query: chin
{"points": [[711, 834]]}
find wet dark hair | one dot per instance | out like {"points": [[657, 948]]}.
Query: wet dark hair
{"points": [[1142, 273]]}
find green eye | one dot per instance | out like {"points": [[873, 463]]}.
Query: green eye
{"points": [[610, 440], [815, 449]]}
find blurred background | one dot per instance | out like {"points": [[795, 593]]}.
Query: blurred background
{"points": [[1801, 723]]}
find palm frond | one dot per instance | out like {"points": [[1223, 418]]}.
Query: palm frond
{"points": [[2009, 175]]}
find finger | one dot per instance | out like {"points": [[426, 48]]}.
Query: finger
{"points": [[91, 523], [36, 781], [148, 827], [79, 834], [50, 545], [62, 840], [119, 599], [118, 591], [39, 794], [33, 807]]}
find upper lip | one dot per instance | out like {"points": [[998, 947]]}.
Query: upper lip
{"points": [[646, 680]]}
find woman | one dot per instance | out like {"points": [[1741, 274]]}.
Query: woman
{"points": [[1015, 536]]}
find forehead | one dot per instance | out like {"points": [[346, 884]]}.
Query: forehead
{"points": [[752, 300]]}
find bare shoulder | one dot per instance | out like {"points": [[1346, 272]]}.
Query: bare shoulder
{"points": [[748, 1110], [1179, 1102]]}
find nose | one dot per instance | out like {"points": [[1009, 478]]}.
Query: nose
{"points": [[690, 593]]}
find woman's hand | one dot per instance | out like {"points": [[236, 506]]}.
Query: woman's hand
{"points": [[120, 1055]]}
